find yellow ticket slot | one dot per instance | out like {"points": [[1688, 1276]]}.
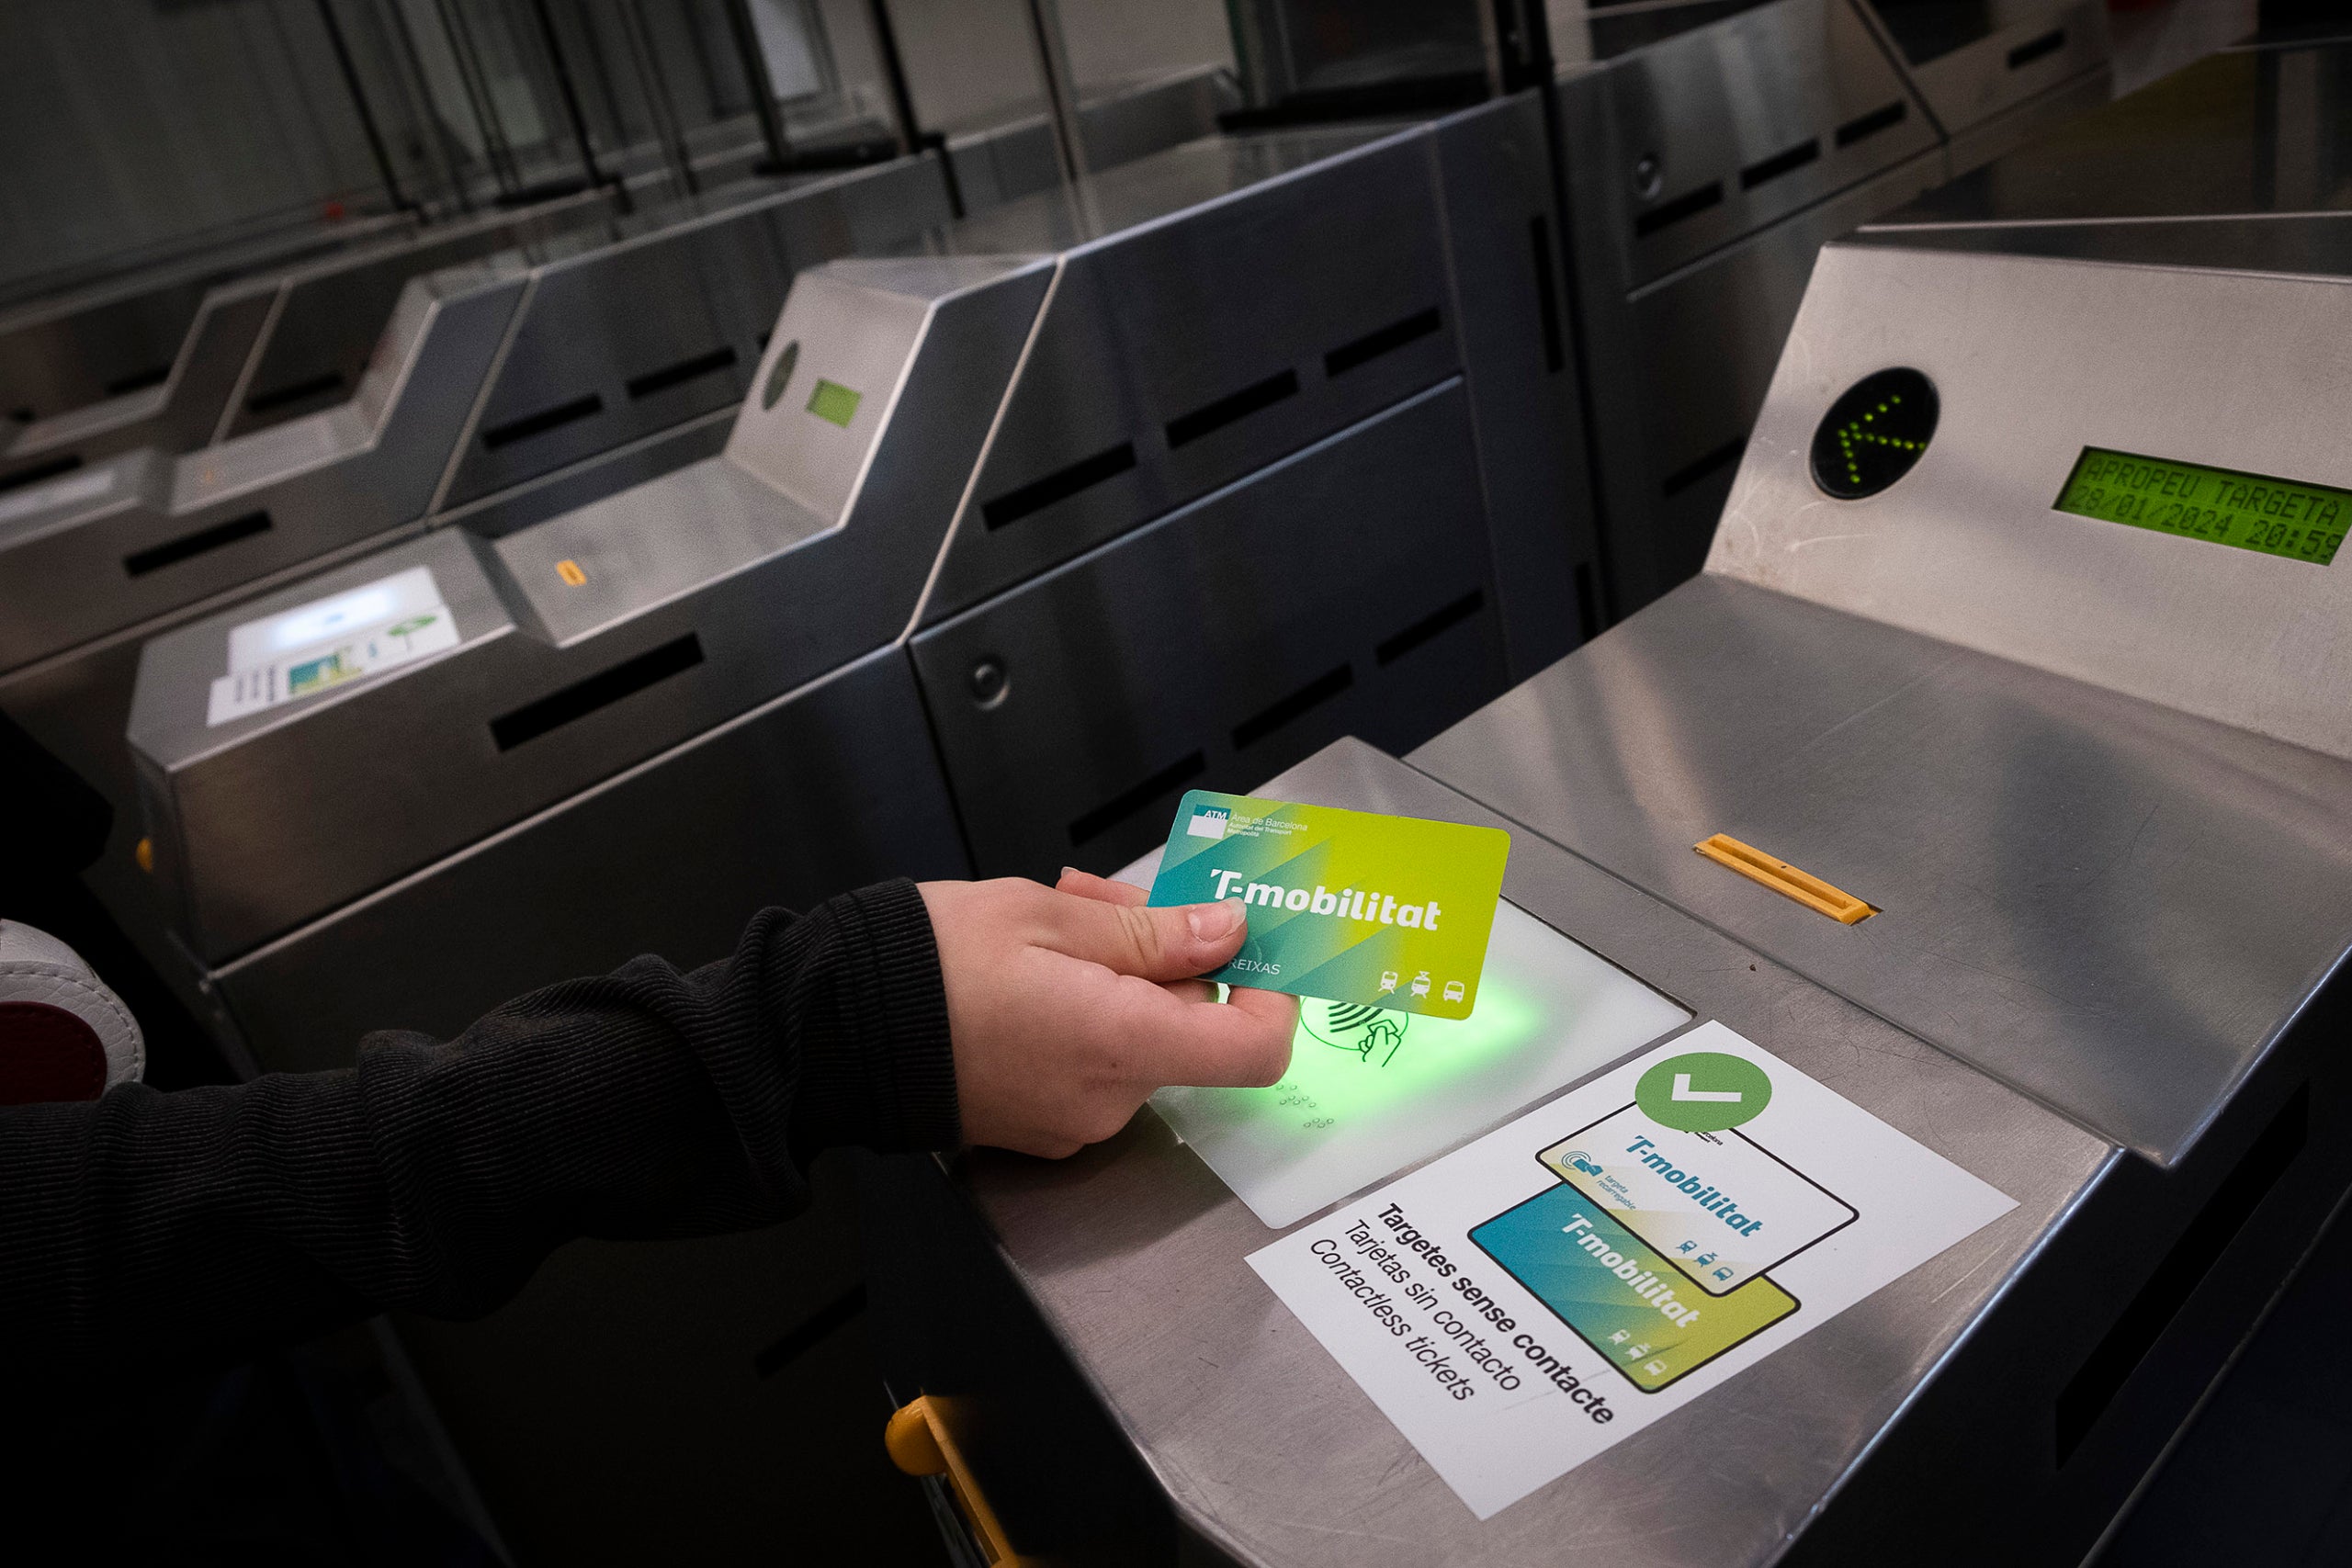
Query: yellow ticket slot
{"points": [[1785, 879]]}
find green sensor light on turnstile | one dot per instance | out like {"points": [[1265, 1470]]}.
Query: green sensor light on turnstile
{"points": [[1346, 1059], [835, 403]]}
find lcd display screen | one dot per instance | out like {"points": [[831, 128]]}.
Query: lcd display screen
{"points": [[2222, 506]]}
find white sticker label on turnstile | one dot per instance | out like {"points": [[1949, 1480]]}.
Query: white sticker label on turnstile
{"points": [[326, 642], [1539, 1295]]}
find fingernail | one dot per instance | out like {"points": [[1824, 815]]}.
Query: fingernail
{"points": [[1214, 922], [1068, 872]]}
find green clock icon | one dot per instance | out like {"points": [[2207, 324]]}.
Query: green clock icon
{"points": [[1703, 1091]]}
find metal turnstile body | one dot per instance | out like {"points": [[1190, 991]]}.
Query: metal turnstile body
{"points": [[1994, 76], [1344, 364], [687, 689], [610, 652], [2093, 777], [1705, 160], [90, 343], [640, 343], [272, 347]]}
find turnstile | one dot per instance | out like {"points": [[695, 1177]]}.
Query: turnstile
{"points": [[1705, 158], [999, 494], [2021, 648], [1994, 75], [84, 346], [267, 349], [524, 384]]}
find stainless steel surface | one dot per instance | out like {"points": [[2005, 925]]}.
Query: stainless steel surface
{"points": [[1060, 88], [1705, 158], [104, 339], [256, 827], [1261, 618], [1967, 547], [1133, 1254], [664, 324], [2115, 908], [270, 348], [1267, 221], [1977, 64], [653, 859], [2242, 133], [1118, 122], [176, 415], [325, 323], [2104, 971], [1682, 144], [161, 532], [1195, 387]]}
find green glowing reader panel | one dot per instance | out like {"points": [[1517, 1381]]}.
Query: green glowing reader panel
{"points": [[2277, 517], [1370, 1091], [834, 402]]}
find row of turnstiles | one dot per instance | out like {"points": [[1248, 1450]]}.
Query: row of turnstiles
{"points": [[470, 608], [1561, 303]]}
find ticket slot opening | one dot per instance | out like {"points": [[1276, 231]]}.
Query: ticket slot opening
{"points": [[1785, 879]]}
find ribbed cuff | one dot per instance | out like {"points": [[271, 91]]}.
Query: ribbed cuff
{"points": [[880, 1070]]}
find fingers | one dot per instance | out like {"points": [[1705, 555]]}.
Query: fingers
{"points": [[1161, 1040], [1101, 889], [1174, 943]]}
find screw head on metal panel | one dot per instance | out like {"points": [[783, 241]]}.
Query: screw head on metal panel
{"points": [[990, 683], [1649, 176]]}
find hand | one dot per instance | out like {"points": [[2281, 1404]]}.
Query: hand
{"points": [[1069, 1006]]}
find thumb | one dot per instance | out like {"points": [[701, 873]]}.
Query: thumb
{"points": [[1170, 944]]}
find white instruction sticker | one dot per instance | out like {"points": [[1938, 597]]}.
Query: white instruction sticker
{"points": [[326, 642], [1533, 1298]]}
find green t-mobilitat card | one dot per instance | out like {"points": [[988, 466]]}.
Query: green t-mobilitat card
{"points": [[1346, 905]]}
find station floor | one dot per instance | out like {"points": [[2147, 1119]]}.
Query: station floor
{"points": [[2264, 1474]]}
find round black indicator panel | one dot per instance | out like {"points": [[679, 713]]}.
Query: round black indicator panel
{"points": [[1872, 434], [779, 373]]}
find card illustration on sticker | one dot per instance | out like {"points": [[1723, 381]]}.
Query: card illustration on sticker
{"points": [[1348, 907]]}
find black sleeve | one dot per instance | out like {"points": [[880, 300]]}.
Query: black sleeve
{"points": [[153, 1230]]}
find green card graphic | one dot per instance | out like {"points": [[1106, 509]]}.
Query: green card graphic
{"points": [[1350, 906]]}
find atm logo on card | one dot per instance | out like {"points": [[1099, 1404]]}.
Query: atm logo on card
{"points": [[1352, 906]]}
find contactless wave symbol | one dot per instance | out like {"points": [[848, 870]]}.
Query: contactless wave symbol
{"points": [[1372, 1033]]}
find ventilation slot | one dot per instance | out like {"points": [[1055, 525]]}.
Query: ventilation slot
{"points": [[539, 423], [293, 392], [1227, 410], [2113, 1361], [1697, 469], [171, 552], [139, 381], [1315, 693], [1547, 297], [1372, 346], [599, 690], [1871, 124], [1689, 205], [1118, 808], [1779, 164], [1059, 485], [39, 471], [2035, 49], [1423, 630], [685, 370]]}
